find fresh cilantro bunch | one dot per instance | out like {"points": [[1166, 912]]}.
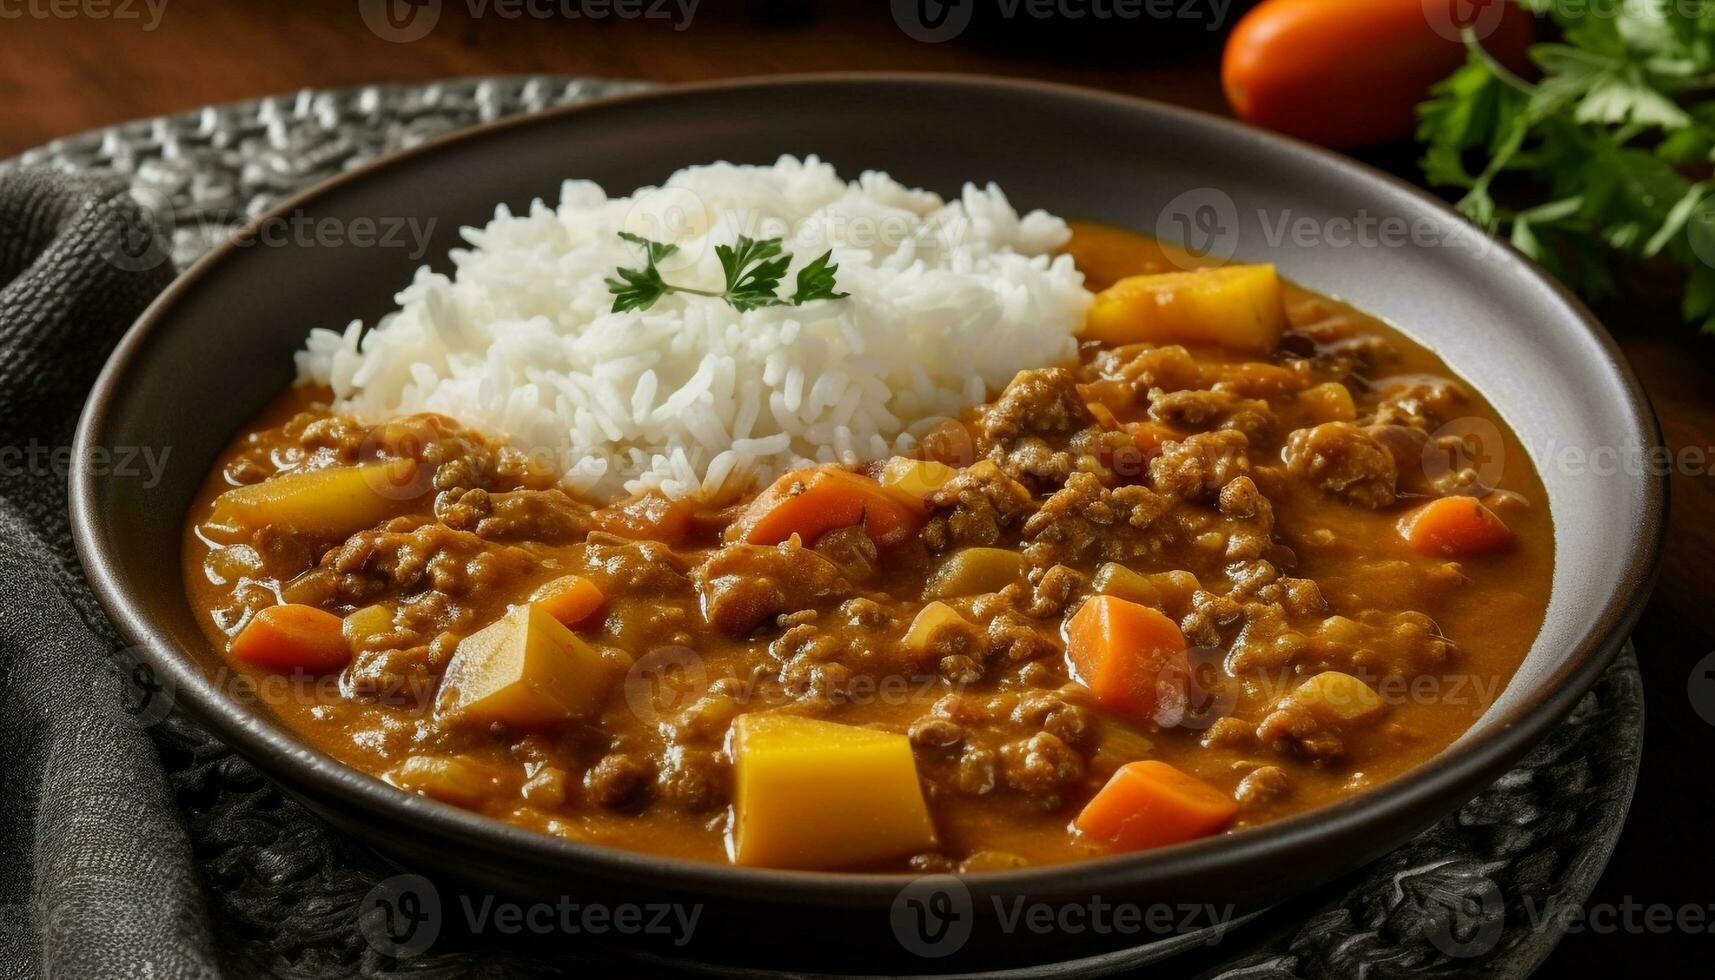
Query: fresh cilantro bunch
{"points": [[753, 272], [1610, 149]]}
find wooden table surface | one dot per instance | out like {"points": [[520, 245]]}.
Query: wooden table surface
{"points": [[60, 75]]}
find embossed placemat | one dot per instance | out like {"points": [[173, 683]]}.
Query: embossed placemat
{"points": [[1478, 894]]}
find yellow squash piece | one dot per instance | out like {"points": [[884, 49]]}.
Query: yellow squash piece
{"points": [[333, 502], [930, 621], [524, 670], [1238, 307], [819, 795], [918, 477], [367, 623], [975, 571], [1329, 401], [1340, 698]]}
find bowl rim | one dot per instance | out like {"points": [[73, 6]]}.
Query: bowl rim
{"points": [[294, 763]]}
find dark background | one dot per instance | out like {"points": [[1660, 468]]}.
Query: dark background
{"points": [[61, 75]]}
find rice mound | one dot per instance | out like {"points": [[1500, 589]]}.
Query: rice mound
{"points": [[691, 398]]}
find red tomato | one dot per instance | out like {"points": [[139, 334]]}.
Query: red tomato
{"points": [[1350, 73]]}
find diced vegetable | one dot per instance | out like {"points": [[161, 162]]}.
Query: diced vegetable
{"points": [[293, 638], [650, 517], [1330, 401], [917, 477], [992, 861], [816, 794], [1117, 743], [1131, 657], [571, 599], [975, 571], [1239, 307], [1454, 527], [933, 618], [524, 670], [1151, 804], [1160, 590], [809, 503], [1340, 629], [448, 778], [1339, 698], [366, 623], [1117, 580], [334, 502]]}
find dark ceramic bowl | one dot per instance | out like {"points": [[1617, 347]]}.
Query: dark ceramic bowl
{"points": [[218, 346]]}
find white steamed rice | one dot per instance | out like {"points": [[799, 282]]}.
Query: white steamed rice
{"points": [[948, 301]]}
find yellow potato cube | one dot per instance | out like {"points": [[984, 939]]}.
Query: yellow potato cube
{"points": [[1235, 306], [448, 778], [366, 623], [1340, 698], [333, 502], [918, 477], [818, 795], [930, 621], [1330, 401], [524, 670], [975, 571], [1121, 582]]}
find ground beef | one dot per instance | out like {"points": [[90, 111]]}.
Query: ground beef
{"points": [[1416, 400], [1263, 785], [1040, 765], [545, 516], [1041, 402], [744, 585], [976, 508], [1198, 466], [619, 780], [1345, 462], [1202, 409], [1084, 522], [389, 562]]}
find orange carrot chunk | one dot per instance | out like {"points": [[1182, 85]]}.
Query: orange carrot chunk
{"points": [[293, 637], [1151, 804], [1454, 527], [570, 599], [810, 503], [650, 517], [1131, 657]]}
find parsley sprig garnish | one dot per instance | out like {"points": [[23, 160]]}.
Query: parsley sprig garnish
{"points": [[753, 270], [1608, 152]]}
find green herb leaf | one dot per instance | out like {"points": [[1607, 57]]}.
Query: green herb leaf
{"points": [[816, 280], [753, 270], [1604, 154]]}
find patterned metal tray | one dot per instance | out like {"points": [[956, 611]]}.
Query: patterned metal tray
{"points": [[1475, 895]]}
